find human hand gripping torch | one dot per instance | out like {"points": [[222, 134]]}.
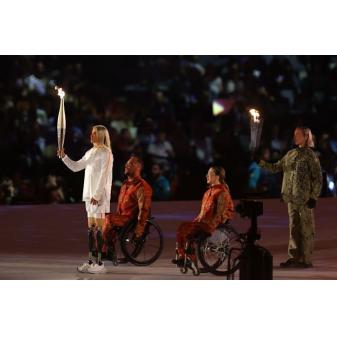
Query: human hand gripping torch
{"points": [[256, 124], [61, 122]]}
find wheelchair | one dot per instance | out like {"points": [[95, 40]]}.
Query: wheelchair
{"points": [[219, 253], [141, 252]]}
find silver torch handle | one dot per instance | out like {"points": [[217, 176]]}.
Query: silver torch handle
{"points": [[61, 126]]}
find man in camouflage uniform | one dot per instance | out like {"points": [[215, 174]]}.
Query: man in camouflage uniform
{"points": [[301, 187]]}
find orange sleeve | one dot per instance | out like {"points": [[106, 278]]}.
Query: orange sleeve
{"points": [[144, 196], [201, 213], [229, 205], [220, 209], [120, 197], [224, 208]]}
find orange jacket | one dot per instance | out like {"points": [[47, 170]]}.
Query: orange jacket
{"points": [[216, 206], [134, 201]]}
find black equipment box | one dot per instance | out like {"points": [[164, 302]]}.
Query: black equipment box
{"points": [[256, 263]]}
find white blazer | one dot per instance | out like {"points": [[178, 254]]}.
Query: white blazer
{"points": [[98, 164]]}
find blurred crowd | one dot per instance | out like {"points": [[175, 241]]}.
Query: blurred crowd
{"points": [[161, 108]]}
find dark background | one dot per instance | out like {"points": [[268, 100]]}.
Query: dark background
{"points": [[141, 97]]}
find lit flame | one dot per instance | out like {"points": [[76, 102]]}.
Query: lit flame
{"points": [[60, 92], [255, 114]]}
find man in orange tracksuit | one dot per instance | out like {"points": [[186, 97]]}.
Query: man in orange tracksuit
{"points": [[217, 207], [134, 203]]}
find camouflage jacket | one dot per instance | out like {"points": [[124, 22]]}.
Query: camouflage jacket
{"points": [[302, 176]]}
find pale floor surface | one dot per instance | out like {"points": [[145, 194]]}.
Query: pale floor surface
{"points": [[47, 242]]}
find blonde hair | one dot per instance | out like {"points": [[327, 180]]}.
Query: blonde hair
{"points": [[307, 133], [103, 138]]}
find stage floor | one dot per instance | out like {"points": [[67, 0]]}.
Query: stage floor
{"points": [[47, 242]]}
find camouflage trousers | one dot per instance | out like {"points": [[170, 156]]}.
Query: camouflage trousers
{"points": [[301, 232]]}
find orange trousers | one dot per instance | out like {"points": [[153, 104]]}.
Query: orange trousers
{"points": [[188, 231], [112, 221]]}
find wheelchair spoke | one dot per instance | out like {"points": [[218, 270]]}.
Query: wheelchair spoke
{"points": [[215, 250], [147, 251]]}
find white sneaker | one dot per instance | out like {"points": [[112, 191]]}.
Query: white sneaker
{"points": [[84, 267], [97, 269]]}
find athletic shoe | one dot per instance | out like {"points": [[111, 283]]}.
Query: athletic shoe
{"points": [[84, 267], [97, 269]]}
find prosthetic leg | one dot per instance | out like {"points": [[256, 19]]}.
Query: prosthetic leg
{"points": [[84, 268], [91, 242], [99, 244], [95, 245], [96, 239]]}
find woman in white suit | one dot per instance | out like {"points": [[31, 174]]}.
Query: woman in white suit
{"points": [[97, 163]]}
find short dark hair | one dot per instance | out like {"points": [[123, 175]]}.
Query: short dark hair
{"points": [[220, 172], [138, 160]]}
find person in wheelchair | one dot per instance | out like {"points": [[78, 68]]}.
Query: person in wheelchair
{"points": [[134, 204], [216, 208]]}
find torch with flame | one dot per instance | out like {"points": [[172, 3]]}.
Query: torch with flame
{"points": [[61, 120], [256, 123]]}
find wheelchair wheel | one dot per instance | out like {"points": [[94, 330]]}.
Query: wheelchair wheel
{"points": [[215, 250], [148, 249]]}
